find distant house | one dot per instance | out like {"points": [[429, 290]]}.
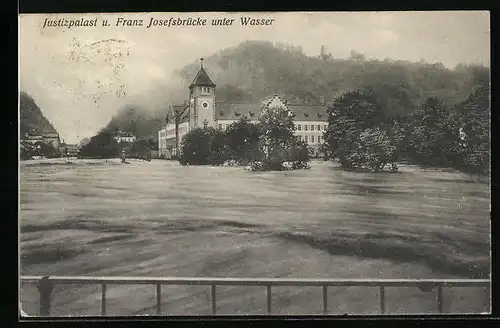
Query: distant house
{"points": [[70, 149], [124, 137], [37, 139]]}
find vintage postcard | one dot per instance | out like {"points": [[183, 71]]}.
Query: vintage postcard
{"points": [[288, 163]]}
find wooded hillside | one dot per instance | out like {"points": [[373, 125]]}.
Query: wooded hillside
{"points": [[32, 119], [254, 70]]}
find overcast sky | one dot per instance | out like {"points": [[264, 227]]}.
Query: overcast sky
{"points": [[80, 82]]}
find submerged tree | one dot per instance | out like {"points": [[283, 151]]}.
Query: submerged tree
{"points": [[242, 139], [358, 133], [473, 120], [277, 139], [195, 147], [218, 150], [102, 145], [141, 149], [434, 138]]}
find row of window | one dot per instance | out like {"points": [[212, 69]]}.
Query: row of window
{"points": [[310, 139], [298, 127], [307, 139], [312, 127]]}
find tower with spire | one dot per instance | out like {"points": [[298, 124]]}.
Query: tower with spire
{"points": [[202, 100]]}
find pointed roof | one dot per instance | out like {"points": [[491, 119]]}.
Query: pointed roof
{"points": [[202, 78]]}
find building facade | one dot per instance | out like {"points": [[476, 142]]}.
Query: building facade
{"points": [[70, 149], [50, 138], [202, 110], [124, 137]]}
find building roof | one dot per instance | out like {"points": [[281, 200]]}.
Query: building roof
{"points": [[182, 109], [122, 134], [202, 79], [32, 137], [234, 111], [309, 112]]}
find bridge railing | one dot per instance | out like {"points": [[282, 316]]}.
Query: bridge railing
{"points": [[46, 285]]}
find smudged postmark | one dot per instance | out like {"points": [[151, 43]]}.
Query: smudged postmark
{"points": [[104, 60]]}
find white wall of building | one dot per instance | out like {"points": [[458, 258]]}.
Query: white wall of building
{"points": [[125, 139], [309, 131], [168, 133]]}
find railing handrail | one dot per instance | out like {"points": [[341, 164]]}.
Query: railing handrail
{"points": [[46, 285], [123, 280]]}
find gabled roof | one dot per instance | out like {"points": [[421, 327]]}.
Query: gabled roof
{"points": [[202, 79], [180, 109], [185, 116], [276, 101]]}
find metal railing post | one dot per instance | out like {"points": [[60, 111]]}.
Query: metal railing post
{"points": [[45, 288], [382, 299], [269, 300], [103, 299], [158, 299], [214, 299], [440, 298], [325, 299]]}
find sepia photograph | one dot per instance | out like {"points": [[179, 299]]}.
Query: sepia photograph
{"points": [[254, 163]]}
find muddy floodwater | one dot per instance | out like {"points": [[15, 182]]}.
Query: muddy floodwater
{"points": [[103, 218]]}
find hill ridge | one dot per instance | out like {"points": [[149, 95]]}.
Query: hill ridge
{"points": [[32, 119], [252, 70]]}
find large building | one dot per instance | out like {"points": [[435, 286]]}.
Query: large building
{"points": [[124, 137], [202, 110], [37, 139]]}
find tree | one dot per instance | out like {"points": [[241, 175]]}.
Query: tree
{"points": [[377, 149], [102, 145], [218, 150], [27, 150], [195, 148], [49, 150], [140, 149], [358, 133], [277, 137], [242, 139], [300, 154], [473, 118], [204, 146], [434, 138]]}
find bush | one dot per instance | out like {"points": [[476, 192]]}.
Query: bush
{"points": [[242, 140], [101, 145], [358, 134], [197, 149], [266, 145]]}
